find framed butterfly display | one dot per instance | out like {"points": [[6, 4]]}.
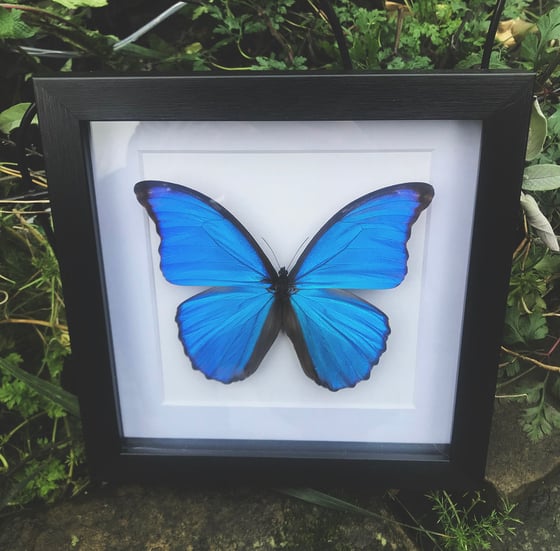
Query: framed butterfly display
{"points": [[275, 278]]}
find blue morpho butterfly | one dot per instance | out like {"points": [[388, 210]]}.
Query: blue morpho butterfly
{"points": [[227, 330]]}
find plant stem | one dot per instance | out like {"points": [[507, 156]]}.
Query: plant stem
{"points": [[548, 367], [38, 322]]}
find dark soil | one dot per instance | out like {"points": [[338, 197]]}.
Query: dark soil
{"points": [[166, 519]]}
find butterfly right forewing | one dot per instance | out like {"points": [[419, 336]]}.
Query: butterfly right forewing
{"points": [[363, 246]]}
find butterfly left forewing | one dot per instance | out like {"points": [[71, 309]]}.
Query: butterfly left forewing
{"points": [[202, 243], [338, 337]]}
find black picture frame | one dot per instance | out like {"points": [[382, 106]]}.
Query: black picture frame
{"points": [[70, 106]]}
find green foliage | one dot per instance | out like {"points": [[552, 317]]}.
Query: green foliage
{"points": [[420, 35], [543, 177], [461, 527], [12, 26], [10, 119], [275, 34], [530, 367], [464, 529], [40, 448], [540, 49], [537, 132], [541, 419]]}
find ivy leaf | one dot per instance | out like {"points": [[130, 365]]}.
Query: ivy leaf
{"points": [[10, 119], [539, 222], [543, 177], [11, 25], [537, 132], [73, 4]]}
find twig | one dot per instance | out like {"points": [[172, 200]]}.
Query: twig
{"points": [[548, 367]]}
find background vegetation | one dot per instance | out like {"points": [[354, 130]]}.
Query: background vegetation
{"points": [[40, 443]]}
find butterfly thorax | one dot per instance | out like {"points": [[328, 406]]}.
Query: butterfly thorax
{"points": [[282, 287]]}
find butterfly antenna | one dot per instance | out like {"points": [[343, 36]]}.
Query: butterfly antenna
{"points": [[273, 253], [296, 254]]}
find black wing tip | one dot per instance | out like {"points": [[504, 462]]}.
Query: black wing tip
{"points": [[143, 187], [424, 191]]}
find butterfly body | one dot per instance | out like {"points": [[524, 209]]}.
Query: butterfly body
{"points": [[227, 330]]}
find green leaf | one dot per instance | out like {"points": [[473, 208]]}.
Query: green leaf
{"points": [[555, 387], [552, 415], [11, 25], [530, 48], [58, 395], [534, 393], [539, 222], [543, 177], [554, 122], [548, 265], [537, 132], [10, 119], [539, 421], [549, 25], [524, 328], [73, 4], [327, 501]]}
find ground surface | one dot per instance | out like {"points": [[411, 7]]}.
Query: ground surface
{"points": [[160, 518]]}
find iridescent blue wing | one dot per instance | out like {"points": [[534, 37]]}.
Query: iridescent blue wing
{"points": [[226, 332], [338, 337], [363, 246], [201, 242]]}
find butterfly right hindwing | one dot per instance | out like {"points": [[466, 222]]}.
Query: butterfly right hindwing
{"points": [[338, 337]]}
